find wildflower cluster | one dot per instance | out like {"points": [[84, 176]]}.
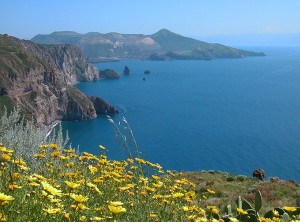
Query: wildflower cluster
{"points": [[86, 187]]}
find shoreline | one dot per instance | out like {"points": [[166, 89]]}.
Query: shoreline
{"points": [[50, 128]]}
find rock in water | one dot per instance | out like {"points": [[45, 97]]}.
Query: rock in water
{"points": [[147, 72], [109, 74], [126, 71]]}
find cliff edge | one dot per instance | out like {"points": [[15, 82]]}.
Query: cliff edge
{"points": [[38, 80]]}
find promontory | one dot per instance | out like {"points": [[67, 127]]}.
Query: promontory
{"points": [[38, 79]]}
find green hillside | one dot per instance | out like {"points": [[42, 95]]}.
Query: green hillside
{"points": [[170, 41]]}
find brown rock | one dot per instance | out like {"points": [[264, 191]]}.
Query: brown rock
{"points": [[259, 174]]}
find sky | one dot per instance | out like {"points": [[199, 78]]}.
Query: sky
{"points": [[195, 18]]}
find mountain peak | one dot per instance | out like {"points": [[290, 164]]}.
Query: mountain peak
{"points": [[164, 32], [65, 33]]}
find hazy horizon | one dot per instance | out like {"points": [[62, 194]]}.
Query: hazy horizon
{"points": [[198, 19]]}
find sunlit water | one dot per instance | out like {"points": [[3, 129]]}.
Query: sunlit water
{"points": [[234, 115]]}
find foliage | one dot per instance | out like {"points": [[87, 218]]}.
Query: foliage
{"points": [[24, 137], [87, 187], [68, 186]]}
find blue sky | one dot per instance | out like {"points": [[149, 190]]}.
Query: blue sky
{"points": [[26, 18]]}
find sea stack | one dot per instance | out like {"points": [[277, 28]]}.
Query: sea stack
{"points": [[126, 71]]}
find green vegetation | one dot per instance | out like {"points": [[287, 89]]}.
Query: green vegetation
{"points": [[55, 183], [6, 103], [227, 186], [14, 60], [169, 41]]}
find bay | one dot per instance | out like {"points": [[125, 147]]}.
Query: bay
{"points": [[234, 115]]}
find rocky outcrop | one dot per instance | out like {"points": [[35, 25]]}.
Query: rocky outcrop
{"points": [[38, 79], [103, 107], [126, 71], [259, 174], [109, 74]]}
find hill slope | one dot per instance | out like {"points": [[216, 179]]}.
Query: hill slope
{"points": [[38, 80], [162, 45]]}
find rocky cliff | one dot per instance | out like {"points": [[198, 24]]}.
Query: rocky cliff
{"points": [[38, 79], [109, 74]]}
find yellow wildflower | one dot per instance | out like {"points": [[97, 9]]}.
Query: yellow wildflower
{"points": [[64, 157], [55, 154], [54, 146], [5, 150], [91, 185], [232, 219], [24, 168], [52, 210], [39, 155], [92, 169], [97, 219], [141, 161], [80, 206], [289, 209], [78, 198], [16, 175], [211, 191], [241, 211], [14, 186], [34, 184], [177, 195], [67, 216], [4, 198], [6, 157], [69, 164], [116, 209], [155, 177], [275, 213], [215, 211], [39, 177], [150, 189], [3, 217], [69, 151], [185, 208], [82, 218], [153, 215], [158, 184], [19, 161], [50, 189], [72, 185]]}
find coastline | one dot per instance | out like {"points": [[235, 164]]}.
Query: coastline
{"points": [[50, 128]]}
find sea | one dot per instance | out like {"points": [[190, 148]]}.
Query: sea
{"points": [[232, 115]]}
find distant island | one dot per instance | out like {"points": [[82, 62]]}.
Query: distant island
{"points": [[163, 45]]}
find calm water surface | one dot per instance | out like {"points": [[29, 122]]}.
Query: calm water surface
{"points": [[233, 115]]}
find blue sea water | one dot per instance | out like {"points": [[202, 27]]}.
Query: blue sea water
{"points": [[234, 115]]}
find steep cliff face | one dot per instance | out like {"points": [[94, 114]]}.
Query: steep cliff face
{"points": [[37, 79], [102, 107]]}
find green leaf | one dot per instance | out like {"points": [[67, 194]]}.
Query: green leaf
{"points": [[252, 218], [243, 204], [258, 201]]}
